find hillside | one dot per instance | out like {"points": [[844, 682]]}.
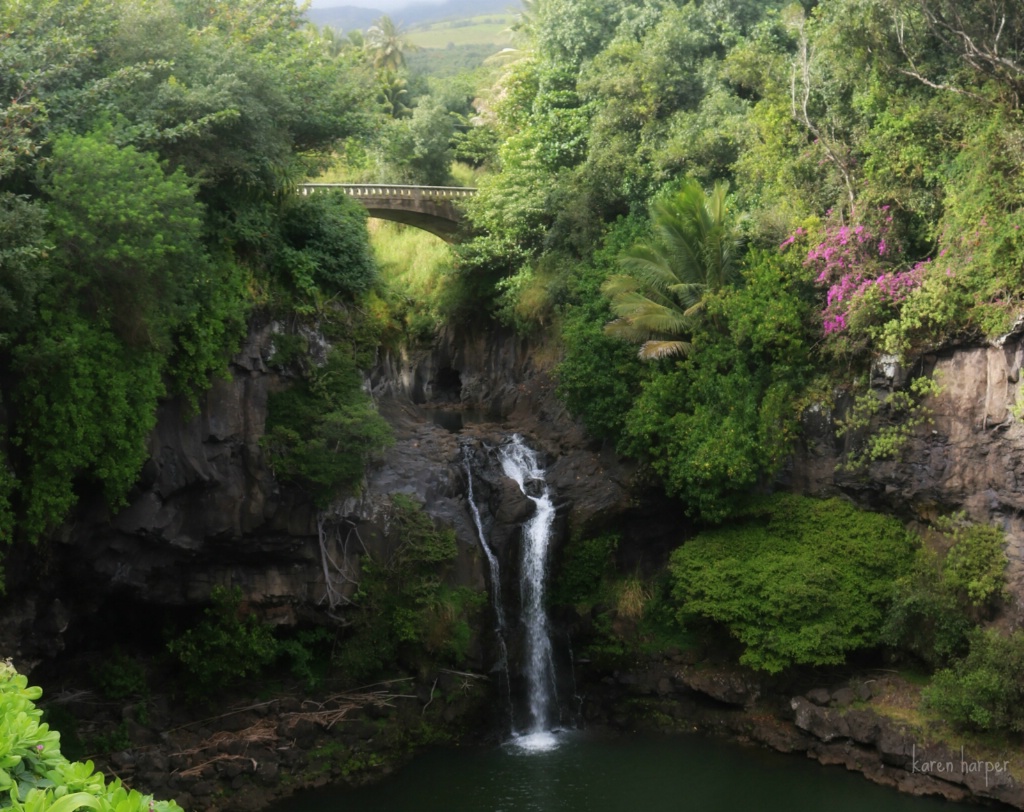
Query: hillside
{"points": [[348, 18], [489, 29]]}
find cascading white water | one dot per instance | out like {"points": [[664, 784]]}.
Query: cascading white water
{"points": [[519, 463]]}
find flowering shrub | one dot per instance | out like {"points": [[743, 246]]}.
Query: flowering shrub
{"points": [[859, 264]]}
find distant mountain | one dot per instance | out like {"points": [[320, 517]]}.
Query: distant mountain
{"points": [[348, 18]]}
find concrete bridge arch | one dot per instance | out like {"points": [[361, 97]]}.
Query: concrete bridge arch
{"points": [[431, 208]]}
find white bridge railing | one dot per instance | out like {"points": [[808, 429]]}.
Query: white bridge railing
{"points": [[385, 190]]}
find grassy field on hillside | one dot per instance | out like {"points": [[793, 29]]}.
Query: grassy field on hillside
{"points": [[489, 29]]}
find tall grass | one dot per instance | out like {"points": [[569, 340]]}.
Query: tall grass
{"points": [[464, 175], [415, 268]]}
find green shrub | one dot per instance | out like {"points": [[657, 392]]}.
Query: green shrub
{"points": [[402, 610], [598, 376], [120, 677], [308, 654], [226, 645], [322, 429], [925, 618], [938, 603], [326, 246], [586, 564], [975, 567], [36, 777], [715, 424], [801, 582], [985, 690]]}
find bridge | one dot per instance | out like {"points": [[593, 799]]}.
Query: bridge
{"points": [[432, 208]]}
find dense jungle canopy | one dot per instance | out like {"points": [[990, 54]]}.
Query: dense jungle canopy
{"points": [[762, 196], [721, 213]]}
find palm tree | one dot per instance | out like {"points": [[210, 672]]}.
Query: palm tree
{"points": [[387, 42], [695, 251], [331, 40], [393, 94]]}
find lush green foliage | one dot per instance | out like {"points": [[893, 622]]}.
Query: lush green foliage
{"points": [[321, 430], [715, 424], [226, 645], [800, 582], [859, 138], [936, 605], [975, 566], [403, 613], [23, 270], [35, 777], [144, 149], [985, 690], [325, 249], [598, 377], [926, 620], [128, 276], [663, 288]]}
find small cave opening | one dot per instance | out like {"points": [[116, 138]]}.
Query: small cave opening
{"points": [[447, 386]]}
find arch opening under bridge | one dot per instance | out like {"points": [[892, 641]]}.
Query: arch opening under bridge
{"points": [[431, 208]]}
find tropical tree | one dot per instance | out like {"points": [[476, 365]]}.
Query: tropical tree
{"points": [[695, 251], [387, 44], [393, 94], [333, 42]]}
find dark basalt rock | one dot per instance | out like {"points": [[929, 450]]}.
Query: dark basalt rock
{"points": [[207, 509], [970, 458]]}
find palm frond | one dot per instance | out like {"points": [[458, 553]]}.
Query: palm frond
{"points": [[650, 266], [695, 252], [625, 330], [653, 350], [651, 316], [618, 284]]}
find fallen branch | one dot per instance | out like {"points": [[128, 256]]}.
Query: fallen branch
{"points": [[196, 771], [432, 687]]}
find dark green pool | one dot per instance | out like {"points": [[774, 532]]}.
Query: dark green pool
{"points": [[589, 772]]}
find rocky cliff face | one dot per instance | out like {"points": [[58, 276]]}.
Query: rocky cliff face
{"points": [[208, 511], [970, 458]]}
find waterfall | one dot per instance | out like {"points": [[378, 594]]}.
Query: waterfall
{"points": [[519, 463], [492, 559], [495, 572]]}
